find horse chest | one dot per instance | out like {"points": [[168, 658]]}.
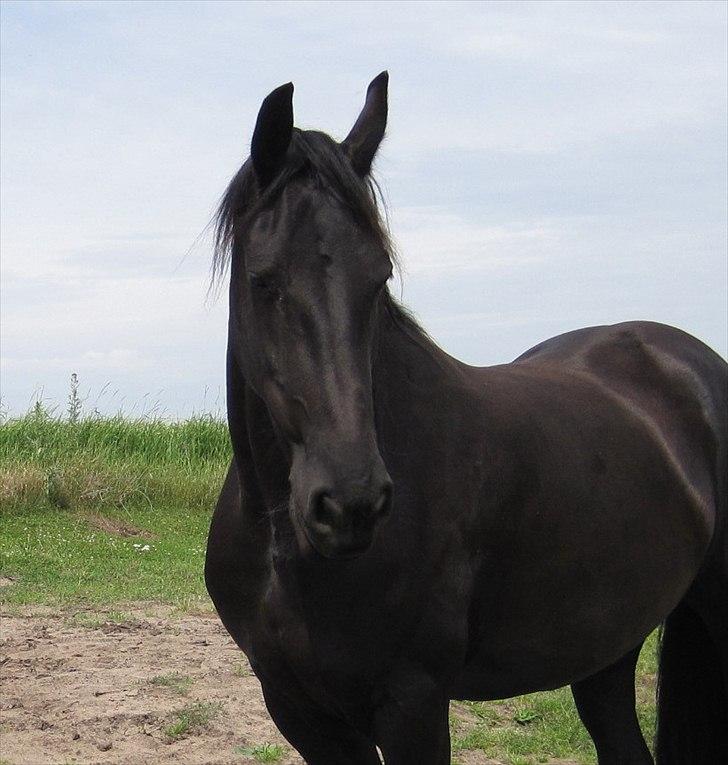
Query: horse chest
{"points": [[345, 641]]}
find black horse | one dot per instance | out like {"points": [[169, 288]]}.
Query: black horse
{"points": [[398, 529]]}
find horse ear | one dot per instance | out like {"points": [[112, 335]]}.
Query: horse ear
{"points": [[272, 134], [363, 141]]}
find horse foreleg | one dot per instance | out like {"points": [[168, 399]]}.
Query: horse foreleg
{"points": [[606, 705], [318, 737], [411, 723]]}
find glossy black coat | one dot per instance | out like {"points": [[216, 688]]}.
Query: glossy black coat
{"points": [[398, 529]]}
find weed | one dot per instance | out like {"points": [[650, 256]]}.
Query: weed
{"points": [[55, 492], [39, 413], [193, 716], [74, 401], [96, 620], [179, 683], [89, 621], [262, 752], [525, 716], [242, 669]]}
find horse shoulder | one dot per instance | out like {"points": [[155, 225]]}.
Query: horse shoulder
{"points": [[237, 564]]}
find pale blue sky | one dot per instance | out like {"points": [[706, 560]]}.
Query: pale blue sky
{"points": [[548, 166]]}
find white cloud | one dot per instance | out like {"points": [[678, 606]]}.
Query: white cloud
{"points": [[434, 239], [88, 362], [122, 124]]}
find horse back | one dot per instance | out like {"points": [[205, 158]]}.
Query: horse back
{"points": [[676, 385]]}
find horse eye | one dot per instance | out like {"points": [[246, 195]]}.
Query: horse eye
{"points": [[265, 285]]}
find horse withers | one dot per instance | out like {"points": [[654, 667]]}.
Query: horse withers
{"points": [[398, 529]]}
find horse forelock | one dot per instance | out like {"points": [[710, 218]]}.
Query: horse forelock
{"points": [[320, 159], [317, 156]]}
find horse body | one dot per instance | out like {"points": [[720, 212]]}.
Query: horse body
{"points": [[559, 568], [546, 516]]}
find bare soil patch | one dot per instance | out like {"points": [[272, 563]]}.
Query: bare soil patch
{"points": [[77, 687], [115, 526], [106, 686]]}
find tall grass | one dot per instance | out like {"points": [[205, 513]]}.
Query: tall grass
{"points": [[95, 460], [41, 438], [105, 510]]}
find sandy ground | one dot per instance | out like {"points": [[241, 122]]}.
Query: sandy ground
{"points": [[77, 687]]}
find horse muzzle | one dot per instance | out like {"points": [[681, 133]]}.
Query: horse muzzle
{"points": [[340, 517]]}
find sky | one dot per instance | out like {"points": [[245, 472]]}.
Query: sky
{"points": [[547, 166]]}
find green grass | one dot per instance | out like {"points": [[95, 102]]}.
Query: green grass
{"points": [[191, 718], [41, 438], [59, 557], [262, 752], [527, 730], [111, 462], [107, 510], [178, 683], [102, 512], [242, 669], [94, 621]]}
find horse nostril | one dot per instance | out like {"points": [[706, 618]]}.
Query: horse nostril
{"points": [[360, 510], [326, 510], [384, 504]]}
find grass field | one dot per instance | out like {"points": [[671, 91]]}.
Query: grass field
{"points": [[110, 511], [106, 510]]}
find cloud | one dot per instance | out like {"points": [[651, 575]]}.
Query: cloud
{"points": [[111, 361], [435, 239], [548, 164]]}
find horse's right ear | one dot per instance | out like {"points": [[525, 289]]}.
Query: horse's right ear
{"points": [[272, 134], [363, 141]]}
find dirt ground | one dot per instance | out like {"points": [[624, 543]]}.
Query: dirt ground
{"points": [[85, 687]]}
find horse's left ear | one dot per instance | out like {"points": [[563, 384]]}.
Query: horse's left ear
{"points": [[272, 134], [363, 141]]}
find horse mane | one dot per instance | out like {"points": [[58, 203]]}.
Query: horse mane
{"points": [[314, 155]]}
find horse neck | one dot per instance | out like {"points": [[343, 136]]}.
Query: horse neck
{"points": [[409, 373], [405, 357]]}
